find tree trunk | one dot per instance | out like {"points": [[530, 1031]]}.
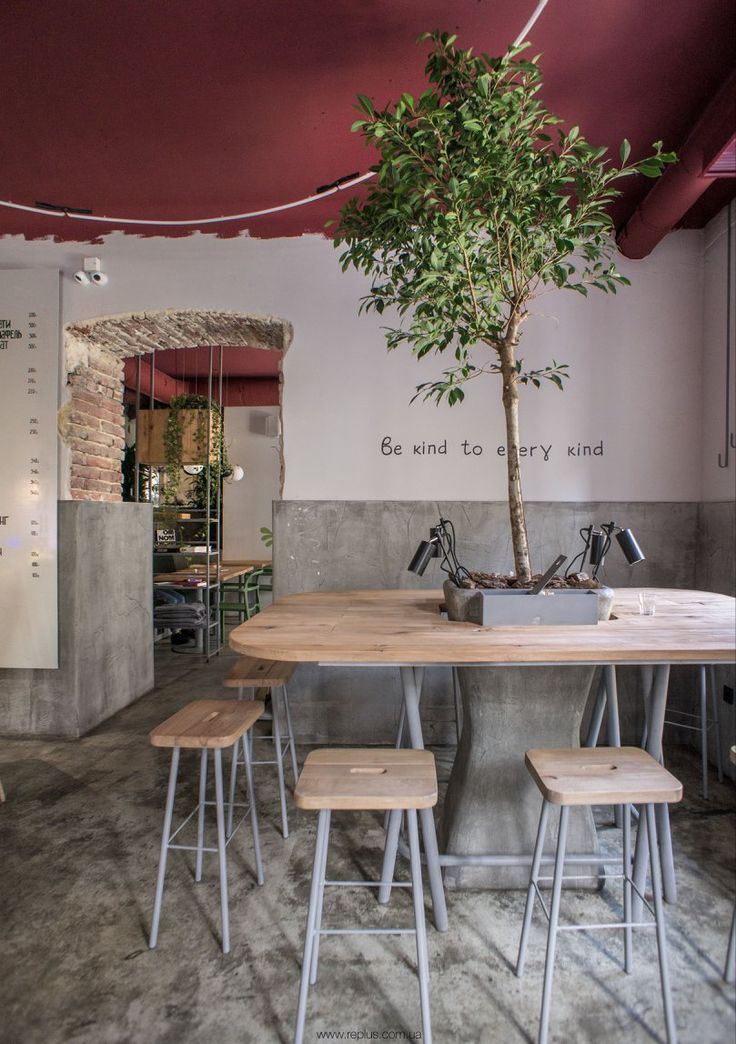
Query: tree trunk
{"points": [[519, 539]]}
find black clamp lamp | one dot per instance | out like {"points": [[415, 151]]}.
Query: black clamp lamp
{"points": [[441, 544], [597, 545]]}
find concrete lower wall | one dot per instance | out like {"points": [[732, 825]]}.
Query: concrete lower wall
{"points": [[105, 626]]}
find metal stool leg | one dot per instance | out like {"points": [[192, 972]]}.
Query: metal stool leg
{"points": [[628, 870], [320, 900], [419, 922], [290, 731], [252, 802], [301, 1014], [200, 814], [729, 972], [168, 814], [220, 810], [716, 722], [231, 795], [703, 699], [531, 893], [669, 1014], [390, 847], [434, 870], [276, 715], [554, 915]]}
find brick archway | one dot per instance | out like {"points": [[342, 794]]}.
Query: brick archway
{"points": [[91, 422]]}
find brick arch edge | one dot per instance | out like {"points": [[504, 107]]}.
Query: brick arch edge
{"points": [[91, 421]]}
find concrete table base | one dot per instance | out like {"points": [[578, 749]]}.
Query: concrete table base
{"points": [[492, 805]]}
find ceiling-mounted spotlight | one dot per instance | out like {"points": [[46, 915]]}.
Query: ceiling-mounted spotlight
{"points": [[91, 272]]}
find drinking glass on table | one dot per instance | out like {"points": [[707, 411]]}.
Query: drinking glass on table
{"points": [[647, 603]]}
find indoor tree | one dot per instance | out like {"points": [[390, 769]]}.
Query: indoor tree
{"points": [[481, 202]]}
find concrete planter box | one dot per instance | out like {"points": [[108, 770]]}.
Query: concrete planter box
{"points": [[504, 608]]}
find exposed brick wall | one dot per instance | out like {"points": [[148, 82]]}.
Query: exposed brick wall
{"points": [[92, 423], [95, 430]]}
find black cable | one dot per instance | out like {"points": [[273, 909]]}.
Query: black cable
{"points": [[585, 535]]}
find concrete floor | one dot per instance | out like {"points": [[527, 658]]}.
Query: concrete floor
{"points": [[79, 839]]}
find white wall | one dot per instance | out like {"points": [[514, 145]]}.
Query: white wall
{"points": [[634, 359], [247, 504], [718, 483]]}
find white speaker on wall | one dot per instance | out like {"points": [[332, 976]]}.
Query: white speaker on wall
{"points": [[266, 424]]}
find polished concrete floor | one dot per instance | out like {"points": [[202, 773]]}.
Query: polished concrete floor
{"points": [[79, 838]]}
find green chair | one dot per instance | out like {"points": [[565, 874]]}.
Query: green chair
{"points": [[248, 596]]}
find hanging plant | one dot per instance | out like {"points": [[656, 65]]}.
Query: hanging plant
{"points": [[219, 466]]}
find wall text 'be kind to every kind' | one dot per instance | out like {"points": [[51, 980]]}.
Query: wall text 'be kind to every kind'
{"points": [[466, 448]]}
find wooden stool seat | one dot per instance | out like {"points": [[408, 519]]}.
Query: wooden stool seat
{"points": [[207, 723], [368, 780], [602, 776], [248, 672]]}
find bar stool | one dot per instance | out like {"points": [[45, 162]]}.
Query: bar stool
{"points": [[365, 780], [248, 672], [607, 703], [204, 725], [598, 776]]}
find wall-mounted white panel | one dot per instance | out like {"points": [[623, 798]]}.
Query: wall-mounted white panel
{"points": [[29, 380]]}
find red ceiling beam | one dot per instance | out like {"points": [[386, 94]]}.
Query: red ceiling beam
{"points": [[685, 181], [164, 386], [236, 391]]}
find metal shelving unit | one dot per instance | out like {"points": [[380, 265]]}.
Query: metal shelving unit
{"points": [[209, 521]]}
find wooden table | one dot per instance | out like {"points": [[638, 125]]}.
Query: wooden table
{"points": [[403, 629], [226, 572]]}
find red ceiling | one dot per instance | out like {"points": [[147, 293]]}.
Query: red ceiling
{"points": [[191, 108]]}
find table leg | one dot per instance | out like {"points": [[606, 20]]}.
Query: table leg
{"points": [[656, 706], [614, 727], [411, 680]]}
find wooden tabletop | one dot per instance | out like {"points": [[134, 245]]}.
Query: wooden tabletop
{"points": [[404, 627], [217, 576]]}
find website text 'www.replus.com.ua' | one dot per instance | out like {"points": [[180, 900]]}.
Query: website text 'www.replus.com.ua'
{"points": [[366, 1034]]}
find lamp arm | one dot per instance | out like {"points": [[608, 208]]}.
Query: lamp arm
{"points": [[585, 534]]}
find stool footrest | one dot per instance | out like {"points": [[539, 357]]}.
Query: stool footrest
{"points": [[590, 927], [228, 839], [366, 931], [605, 924], [368, 884]]}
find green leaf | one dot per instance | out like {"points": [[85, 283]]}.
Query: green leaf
{"points": [[624, 151], [366, 104]]}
